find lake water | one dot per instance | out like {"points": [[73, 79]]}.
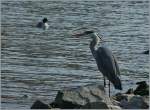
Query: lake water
{"points": [[36, 63]]}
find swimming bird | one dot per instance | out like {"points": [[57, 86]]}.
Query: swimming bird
{"points": [[146, 52], [106, 61], [43, 24]]}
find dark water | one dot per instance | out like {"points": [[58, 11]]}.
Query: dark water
{"points": [[37, 63]]}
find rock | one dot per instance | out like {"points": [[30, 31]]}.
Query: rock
{"points": [[138, 102], [130, 91], [142, 89], [131, 101], [115, 102], [113, 107], [95, 105], [90, 96], [119, 96], [54, 105], [40, 105], [146, 99]]}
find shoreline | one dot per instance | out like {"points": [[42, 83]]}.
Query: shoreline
{"points": [[94, 97]]}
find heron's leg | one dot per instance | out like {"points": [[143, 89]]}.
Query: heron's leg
{"points": [[109, 88], [104, 82]]}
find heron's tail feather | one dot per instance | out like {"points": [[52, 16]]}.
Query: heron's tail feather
{"points": [[117, 84]]}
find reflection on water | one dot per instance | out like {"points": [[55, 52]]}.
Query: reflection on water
{"points": [[37, 63]]}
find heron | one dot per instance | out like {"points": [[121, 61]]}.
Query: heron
{"points": [[106, 61]]}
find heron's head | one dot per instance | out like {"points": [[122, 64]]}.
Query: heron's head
{"points": [[89, 33], [45, 20]]}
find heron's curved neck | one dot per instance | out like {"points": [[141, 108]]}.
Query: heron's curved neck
{"points": [[94, 42]]}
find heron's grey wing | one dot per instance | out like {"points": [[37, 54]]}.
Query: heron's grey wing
{"points": [[108, 66], [105, 61], [116, 65]]}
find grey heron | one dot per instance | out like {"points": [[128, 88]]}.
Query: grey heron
{"points": [[106, 62]]}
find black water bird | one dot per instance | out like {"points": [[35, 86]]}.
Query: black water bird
{"points": [[43, 24]]}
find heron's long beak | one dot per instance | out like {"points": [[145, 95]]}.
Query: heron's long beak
{"points": [[101, 38], [78, 34]]}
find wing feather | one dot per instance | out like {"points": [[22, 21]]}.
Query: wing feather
{"points": [[116, 65], [108, 66], [105, 61]]}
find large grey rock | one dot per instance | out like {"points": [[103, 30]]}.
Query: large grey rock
{"points": [[90, 96], [131, 101]]}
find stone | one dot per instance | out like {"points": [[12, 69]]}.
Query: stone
{"points": [[119, 96], [40, 105], [131, 101], [136, 102], [90, 96], [115, 102], [95, 105], [130, 91], [142, 89]]}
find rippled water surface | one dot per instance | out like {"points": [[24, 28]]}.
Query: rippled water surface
{"points": [[36, 63]]}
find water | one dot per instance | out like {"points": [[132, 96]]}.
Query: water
{"points": [[37, 63]]}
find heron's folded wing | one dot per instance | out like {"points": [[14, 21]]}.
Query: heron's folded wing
{"points": [[105, 61], [116, 65]]}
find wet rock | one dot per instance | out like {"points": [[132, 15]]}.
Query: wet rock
{"points": [[90, 96], [131, 101], [136, 102], [40, 105], [130, 91], [142, 88]]}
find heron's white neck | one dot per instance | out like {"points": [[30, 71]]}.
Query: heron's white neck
{"points": [[94, 42]]}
